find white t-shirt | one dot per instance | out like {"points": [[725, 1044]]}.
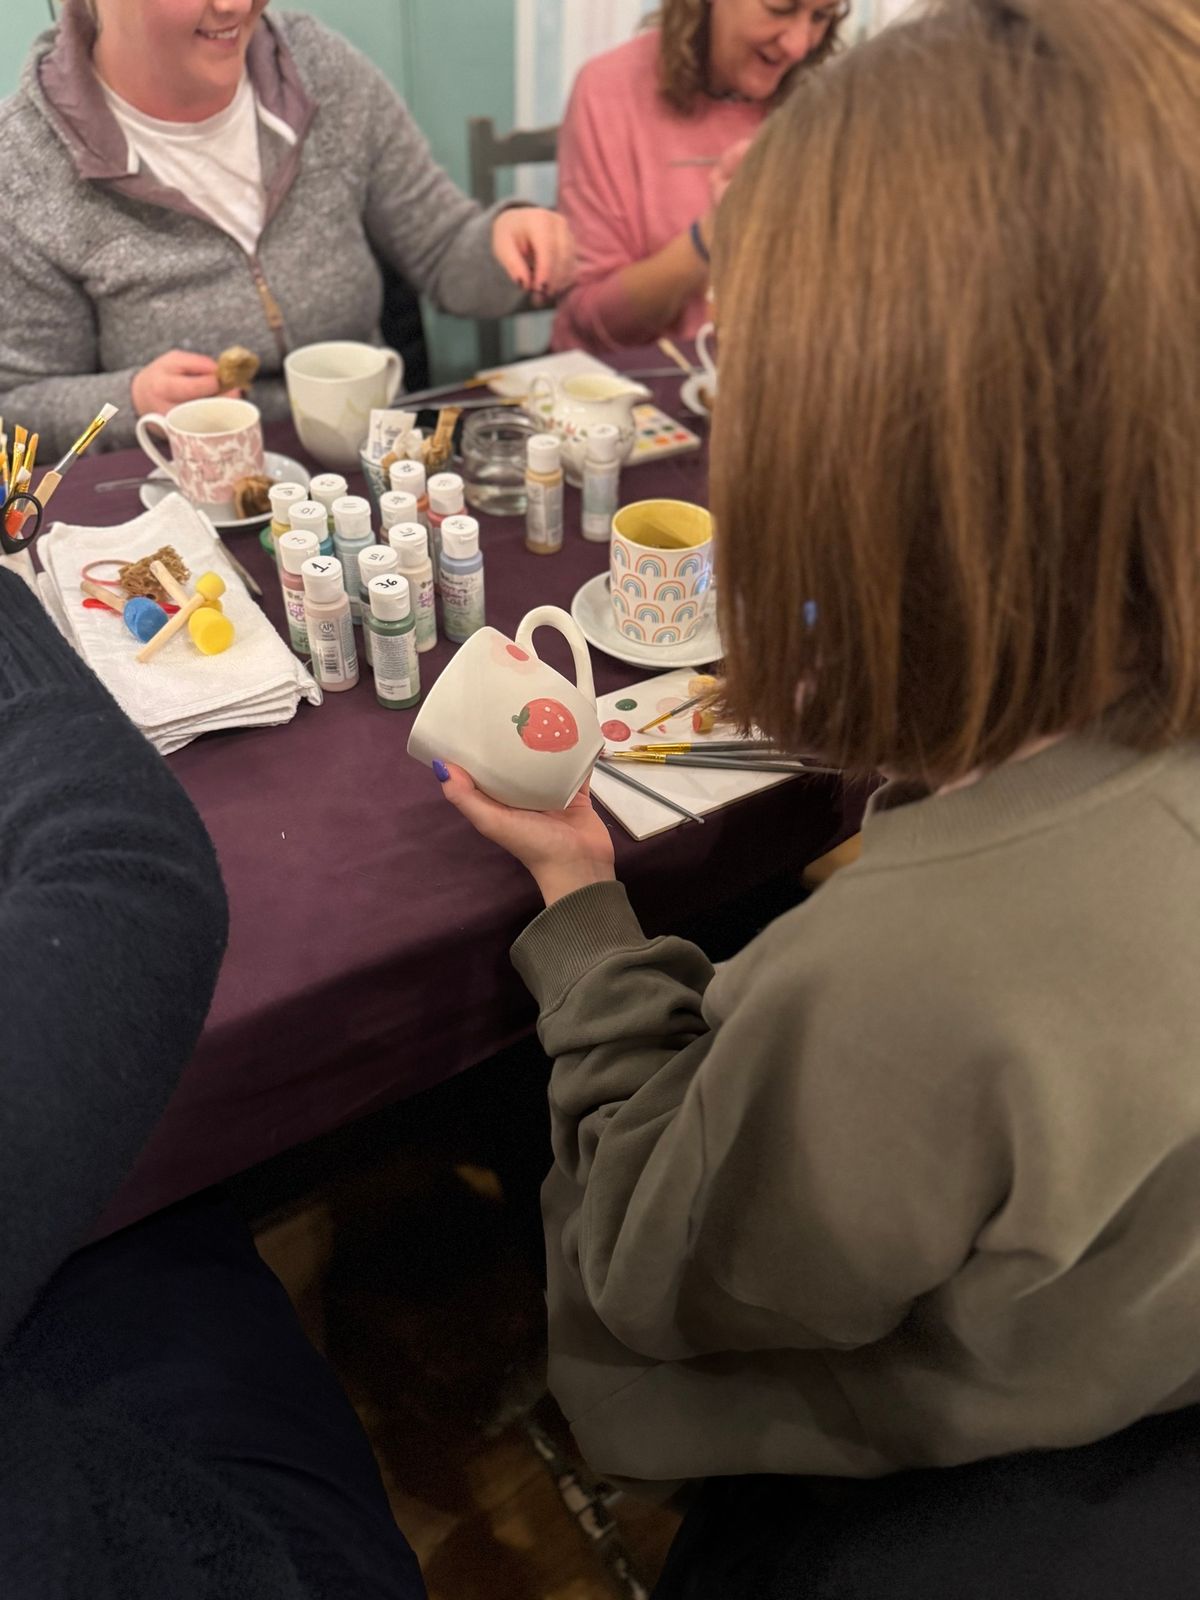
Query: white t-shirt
{"points": [[215, 162]]}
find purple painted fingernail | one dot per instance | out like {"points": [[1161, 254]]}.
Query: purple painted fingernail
{"points": [[441, 772]]}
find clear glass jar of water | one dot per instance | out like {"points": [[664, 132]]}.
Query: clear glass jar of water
{"points": [[493, 455]]}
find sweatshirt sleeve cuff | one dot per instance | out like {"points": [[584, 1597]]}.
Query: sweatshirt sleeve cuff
{"points": [[567, 939]]}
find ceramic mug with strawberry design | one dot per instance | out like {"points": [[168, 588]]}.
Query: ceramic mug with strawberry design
{"points": [[528, 736]]}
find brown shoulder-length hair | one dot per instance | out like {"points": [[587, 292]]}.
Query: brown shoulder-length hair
{"points": [[683, 51], [956, 451]]}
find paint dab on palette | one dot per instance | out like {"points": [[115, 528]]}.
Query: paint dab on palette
{"points": [[626, 705], [616, 730], [658, 435]]}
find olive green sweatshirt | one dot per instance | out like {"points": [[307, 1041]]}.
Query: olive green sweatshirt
{"points": [[915, 1178]]}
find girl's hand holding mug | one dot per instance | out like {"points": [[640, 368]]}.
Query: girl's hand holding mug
{"points": [[563, 850]]}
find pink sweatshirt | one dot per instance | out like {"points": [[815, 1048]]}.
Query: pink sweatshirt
{"points": [[620, 193]]}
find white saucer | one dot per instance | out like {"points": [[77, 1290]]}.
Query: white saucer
{"points": [[689, 394], [281, 468], [592, 610]]}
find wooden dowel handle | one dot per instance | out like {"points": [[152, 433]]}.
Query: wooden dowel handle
{"points": [[174, 625]]}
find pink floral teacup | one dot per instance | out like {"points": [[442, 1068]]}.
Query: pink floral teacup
{"points": [[213, 443]]}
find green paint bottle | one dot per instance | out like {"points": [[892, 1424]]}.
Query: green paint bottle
{"points": [[393, 642]]}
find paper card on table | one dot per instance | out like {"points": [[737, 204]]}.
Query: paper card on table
{"points": [[699, 789]]}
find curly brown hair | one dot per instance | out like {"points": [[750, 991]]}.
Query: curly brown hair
{"points": [[683, 51]]}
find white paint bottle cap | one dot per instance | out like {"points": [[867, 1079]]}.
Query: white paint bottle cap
{"points": [[397, 505], [327, 487], [309, 514], [376, 561], [283, 496], [411, 544], [297, 547], [603, 440], [409, 476], [460, 537], [391, 600], [352, 516], [544, 453], [445, 495], [323, 579]]}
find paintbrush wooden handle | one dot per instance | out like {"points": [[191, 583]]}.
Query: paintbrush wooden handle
{"points": [[112, 598], [171, 585]]}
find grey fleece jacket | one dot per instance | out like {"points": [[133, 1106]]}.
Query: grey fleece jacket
{"points": [[102, 268]]}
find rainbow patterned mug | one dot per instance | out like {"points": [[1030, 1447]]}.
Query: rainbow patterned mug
{"points": [[660, 570]]}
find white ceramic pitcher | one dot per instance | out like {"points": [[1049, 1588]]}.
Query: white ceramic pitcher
{"points": [[580, 402]]}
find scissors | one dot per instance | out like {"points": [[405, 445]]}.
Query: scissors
{"points": [[17, 510]]}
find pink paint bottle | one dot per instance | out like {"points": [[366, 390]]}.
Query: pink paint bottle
{"points": [[294, 548], [445, 500]]}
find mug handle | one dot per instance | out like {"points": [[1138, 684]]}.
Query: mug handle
{"points": [[702, 342], [151, 449], [555, 617], [394, 367]]}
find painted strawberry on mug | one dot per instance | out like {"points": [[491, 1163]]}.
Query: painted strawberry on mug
{"points": [[547, 725]]}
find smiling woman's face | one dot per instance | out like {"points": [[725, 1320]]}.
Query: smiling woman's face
{"points": [[753, 44], [190, 53]]}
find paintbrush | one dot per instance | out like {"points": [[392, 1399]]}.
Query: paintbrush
{"points": [[675, 354], [105, 414], [717, 763], [705, 697], [51, 480], [644, 788], [712, 746]]}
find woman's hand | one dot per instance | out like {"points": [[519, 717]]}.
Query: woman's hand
{"points": [[564, 850], [171, 379], [536, 248]]}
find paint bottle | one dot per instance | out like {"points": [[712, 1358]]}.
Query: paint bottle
{"points": [[325, 488], [601, 481], [409, 478], [544, 495], [283, 496], [310, 515], [396, 506], [295, 547], [462, 578], [330, 630], [445, 500], [375, 561], [410, 541], [391, 624], [352, 532]]}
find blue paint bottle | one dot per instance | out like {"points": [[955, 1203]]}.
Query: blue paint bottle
{"points": [[462, 578]]}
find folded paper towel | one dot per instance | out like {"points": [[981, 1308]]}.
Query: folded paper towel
{"points": [[179, 694]]}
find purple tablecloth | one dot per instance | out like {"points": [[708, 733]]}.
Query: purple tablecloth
{"points": [[368, 953]]}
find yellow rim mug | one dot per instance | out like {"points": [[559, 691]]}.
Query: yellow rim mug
{"points": [[660, 570]]}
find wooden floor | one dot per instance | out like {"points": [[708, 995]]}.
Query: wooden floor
{"points": [[416, 1274]]}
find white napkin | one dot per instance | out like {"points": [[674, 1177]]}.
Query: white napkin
{"points": [[179, 693]]}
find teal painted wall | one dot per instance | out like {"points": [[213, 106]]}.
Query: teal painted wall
{"points": [[450, 59]]}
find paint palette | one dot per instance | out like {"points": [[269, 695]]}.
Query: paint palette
{"points": [[659, 436]]}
